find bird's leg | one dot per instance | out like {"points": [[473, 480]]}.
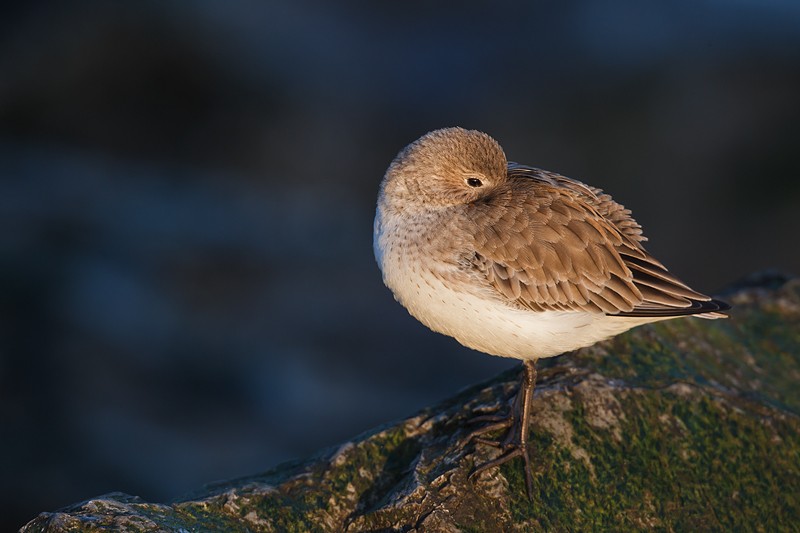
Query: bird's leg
{"points": [[515, 444], [496, 422]]}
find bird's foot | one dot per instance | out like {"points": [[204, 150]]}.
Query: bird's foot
{"points": [[512, 446], [493, 423], [515, 443]]}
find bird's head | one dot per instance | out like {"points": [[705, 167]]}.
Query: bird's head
{"points": [[446, 167]]}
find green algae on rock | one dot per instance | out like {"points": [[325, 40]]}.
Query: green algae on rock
{"points": [[683, 425]]}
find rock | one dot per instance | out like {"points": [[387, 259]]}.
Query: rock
{"points": [[684, 425]]}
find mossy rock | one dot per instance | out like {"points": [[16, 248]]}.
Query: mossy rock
{"points": [[687, 425]]}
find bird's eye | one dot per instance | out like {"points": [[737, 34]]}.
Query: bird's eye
{"points": [[474, 182]]}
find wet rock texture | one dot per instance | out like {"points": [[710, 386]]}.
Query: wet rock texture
{"points": [[687, 425]]}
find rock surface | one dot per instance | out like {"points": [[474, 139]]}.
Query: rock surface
{"points": [[685, 425]]}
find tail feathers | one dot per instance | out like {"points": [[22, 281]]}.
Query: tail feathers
{"points": [[710, 309]]}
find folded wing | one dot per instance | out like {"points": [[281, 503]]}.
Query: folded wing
{"points": [[563, 245]]}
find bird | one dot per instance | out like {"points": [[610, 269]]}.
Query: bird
{"points": [[515, 261]]}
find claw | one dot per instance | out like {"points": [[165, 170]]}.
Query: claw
{"points": [[504, 458]]}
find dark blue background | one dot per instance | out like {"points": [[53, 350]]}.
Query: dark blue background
{"points": [[188, 288]]}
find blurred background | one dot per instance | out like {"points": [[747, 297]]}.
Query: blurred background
{"points": [[187, 193]]}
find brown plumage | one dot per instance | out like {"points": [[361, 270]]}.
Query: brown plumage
{"points": [[562, 245]]}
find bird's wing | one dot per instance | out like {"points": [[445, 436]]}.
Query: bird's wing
{"points": [[562, 245], [602, 202]]}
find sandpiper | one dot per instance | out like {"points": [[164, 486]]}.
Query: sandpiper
{"points": [[515, 261]]}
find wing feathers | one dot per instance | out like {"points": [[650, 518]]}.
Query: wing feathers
{"points": [[562, 245]]}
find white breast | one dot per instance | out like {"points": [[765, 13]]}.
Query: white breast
{"points": [[429, 291]]}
